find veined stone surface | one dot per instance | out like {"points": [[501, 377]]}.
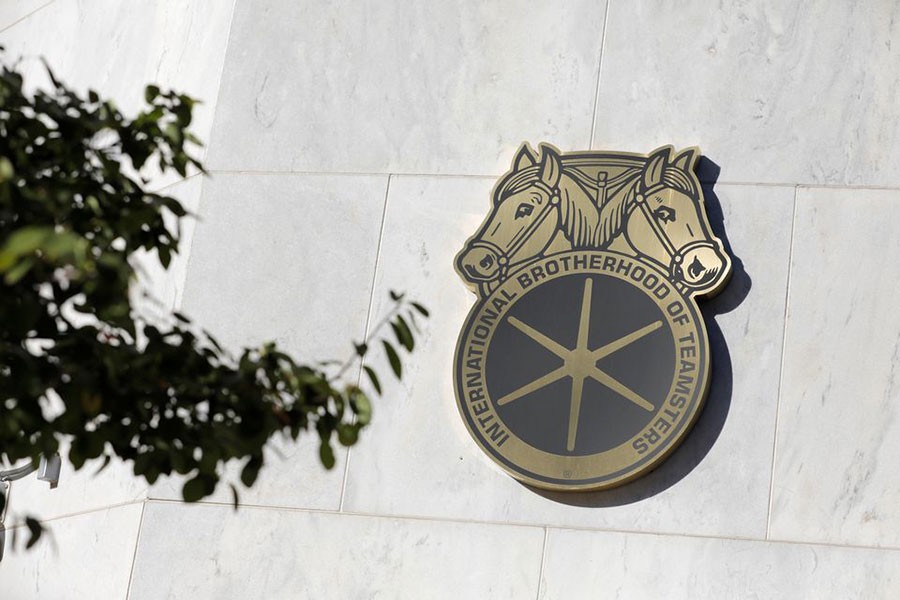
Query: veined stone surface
{"points": [[117, 48], [617, 565], [774, 91], [12, 12], [257, 553], [379, 86], [838, 432], [286, 257], [84, 557]]}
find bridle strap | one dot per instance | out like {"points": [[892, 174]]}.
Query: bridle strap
{"points": [[503, 256], [641, 201], [677, 256]]}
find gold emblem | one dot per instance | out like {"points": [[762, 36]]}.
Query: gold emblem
{"points": [[585, 360]]}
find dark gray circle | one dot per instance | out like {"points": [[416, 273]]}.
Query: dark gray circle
{"points": [[606, 419]]}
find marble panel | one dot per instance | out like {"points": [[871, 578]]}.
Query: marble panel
{"points": [[288, 258], [839, 419], [158, 290], [84, 557], [606, 565], [14, 11], [117, 48], [292, 476], [394, 87], [197, 552], [418, 459], [774, 91], [78, 491]]}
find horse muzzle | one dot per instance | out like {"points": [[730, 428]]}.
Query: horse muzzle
{"points": [[699, 266], [479, 264]]}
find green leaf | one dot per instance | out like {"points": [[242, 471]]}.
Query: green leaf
{"points": [[106, 460], [35, 529], [251, 471], [18, 271], [194, 490], [373, 378], [235, 499], [7, 172], [404, 336], [362, 407], [151, 92], [23, 241], [422, 310], [393, 358], [165, 257], [326, 454], [348, 433]]}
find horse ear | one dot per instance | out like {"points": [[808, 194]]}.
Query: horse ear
{"points": [[655, 167], [551, 167], [525, 157], [686, 160]]}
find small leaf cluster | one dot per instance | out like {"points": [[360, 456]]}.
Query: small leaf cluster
{"points": [[77, 360]]}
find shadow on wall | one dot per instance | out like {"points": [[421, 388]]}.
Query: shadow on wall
{"points": [[706, 430]]}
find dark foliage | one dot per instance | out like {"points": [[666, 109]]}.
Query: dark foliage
{"points": [[77, 361]]}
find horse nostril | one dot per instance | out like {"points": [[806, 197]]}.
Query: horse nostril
{"points": [[479, 264], [696, 268]]}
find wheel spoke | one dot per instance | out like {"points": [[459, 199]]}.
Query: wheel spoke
{"points": [[620, 389], [574, 411], [585, 321], [554, 347], [604, 351], [533, 386]]}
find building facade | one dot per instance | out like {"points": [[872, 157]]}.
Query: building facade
{"points": [[352, 149]]}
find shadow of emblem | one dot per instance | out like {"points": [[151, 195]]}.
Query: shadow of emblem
{"points": [[585, 360]]}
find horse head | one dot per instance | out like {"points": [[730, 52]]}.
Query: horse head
{"points": [[668, 223], [523, 220]]}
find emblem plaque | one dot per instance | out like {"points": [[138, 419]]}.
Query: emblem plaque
{"points": [[585, 360]]}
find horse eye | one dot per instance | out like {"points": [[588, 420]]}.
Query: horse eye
{"points": [[524, 210], [665, 214]]}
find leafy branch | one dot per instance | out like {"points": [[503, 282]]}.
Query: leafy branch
{"points": [[78, 362]]}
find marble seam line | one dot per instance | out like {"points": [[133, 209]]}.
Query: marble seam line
{"points": [[81, 513], [781, 184], [137, 542], [23, 18], [787, 301], [174, 183], [387, 192], [534, 526], [543, 557], [599, 74], [218, 95]]}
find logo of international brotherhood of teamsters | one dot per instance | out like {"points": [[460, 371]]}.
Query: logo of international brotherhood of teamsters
{"points": [[585, 360]]}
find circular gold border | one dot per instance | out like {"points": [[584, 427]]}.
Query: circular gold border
{"points": [[580, 468]]}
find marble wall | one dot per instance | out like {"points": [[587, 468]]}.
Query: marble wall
{"points": [[353, 146]]}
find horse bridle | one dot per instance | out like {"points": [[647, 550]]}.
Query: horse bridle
{"points": [[677, 256], [503, 256]]}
